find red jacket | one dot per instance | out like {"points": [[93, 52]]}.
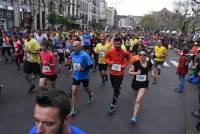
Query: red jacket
{"points": [[119, 57], [182, 66]]}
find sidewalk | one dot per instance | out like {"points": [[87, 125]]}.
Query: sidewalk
{"points": [[191, 100]]}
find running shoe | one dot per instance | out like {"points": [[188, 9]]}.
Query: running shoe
{"points": [[177, 90], [111, 109], [134, 119], [90, 98], [196, 114], [73, 111], [31, 89]]}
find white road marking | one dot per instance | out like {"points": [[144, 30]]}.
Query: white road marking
{"points": [[175, 63], [166, 64]]}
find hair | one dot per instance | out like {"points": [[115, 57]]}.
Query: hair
{"points": [[55, 98], [118, 38], [143, 49]]}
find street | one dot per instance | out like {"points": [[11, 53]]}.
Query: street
{"points": [[162, 112]]}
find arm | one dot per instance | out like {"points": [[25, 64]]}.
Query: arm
{"points": [[106, 58], [132, 71], [127, 60]]}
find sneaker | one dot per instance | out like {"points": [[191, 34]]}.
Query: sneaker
{"points": [[196, 114], [154, 82], [90, 98], [134, 119], [31, 89], [73, 111], [111, 109], [177, 90]]}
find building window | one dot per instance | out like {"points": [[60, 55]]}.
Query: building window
{"points": [[51, 7], [61, 9]]}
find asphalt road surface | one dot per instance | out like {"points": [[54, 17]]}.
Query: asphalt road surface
{"points": [[162, 112]]}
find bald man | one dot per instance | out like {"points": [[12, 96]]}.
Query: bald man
{"points": [[81, 64]]}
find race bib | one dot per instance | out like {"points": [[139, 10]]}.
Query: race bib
{"points": [[67, 51], [60, 50], [87, 40], [116, 67], [101, 54], [29, 57], [76, 66], [159, 66], [141, 78], [45, 69]]}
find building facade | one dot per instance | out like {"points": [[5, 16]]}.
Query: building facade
{"points": [[35, 13]]}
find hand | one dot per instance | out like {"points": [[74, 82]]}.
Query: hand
{"points": [[138, 72], [111, 62], [79, 68]]}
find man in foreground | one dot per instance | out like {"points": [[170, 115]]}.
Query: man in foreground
{"points": [[52, 114]]}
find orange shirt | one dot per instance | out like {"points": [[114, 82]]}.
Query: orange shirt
{"points": [[135, 58], [120, 59]]}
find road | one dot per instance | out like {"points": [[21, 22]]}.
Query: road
{"points": [[163, 111]]}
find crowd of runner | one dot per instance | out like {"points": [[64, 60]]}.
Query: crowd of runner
{"points": [[44, 54]]}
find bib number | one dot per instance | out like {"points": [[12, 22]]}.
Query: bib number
{"points": [[141, 78], [67, 51], [101, 54], [76, 66], [60, 50], [159, 66], [116, 67], [45, 69], [29, 57]]}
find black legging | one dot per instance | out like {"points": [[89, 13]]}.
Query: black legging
{"points": [[116, 84]]}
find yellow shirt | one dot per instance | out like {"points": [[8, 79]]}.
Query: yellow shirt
{"points": [[159, 52], [123, 47], [31, 46], [101, 50]]}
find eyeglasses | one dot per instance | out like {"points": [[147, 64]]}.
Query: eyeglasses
{"points": [[74, 46], [142, 55]]}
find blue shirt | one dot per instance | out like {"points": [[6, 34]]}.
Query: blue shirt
{"points": [[87, 39], [54, 40], [80, 59], [73, 129]]}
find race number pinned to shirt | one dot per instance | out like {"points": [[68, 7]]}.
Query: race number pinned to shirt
{"points": [[29, 57], [67, 51], [101, 53], [45, 69], [60, 50], [159, 66], [141, 78], [76, 66], [116, 67]]}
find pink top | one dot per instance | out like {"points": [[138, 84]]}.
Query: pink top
{"points": [[16, 43], [47, 58]]}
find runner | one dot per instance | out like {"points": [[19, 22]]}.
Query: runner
{"points": [[139, 70], [81, 65], [48, 68], [6, 48], [31, 58], [160, 52], [19, 52], [101, 49], [118, 59]]}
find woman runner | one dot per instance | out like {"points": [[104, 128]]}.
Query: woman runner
{"points": [[48, 68], [140, 83]]}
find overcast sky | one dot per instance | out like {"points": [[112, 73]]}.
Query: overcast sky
{"points": [[140, 7]]}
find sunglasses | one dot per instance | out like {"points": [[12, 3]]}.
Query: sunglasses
{"points": [[142, 55], [74, 46]]}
